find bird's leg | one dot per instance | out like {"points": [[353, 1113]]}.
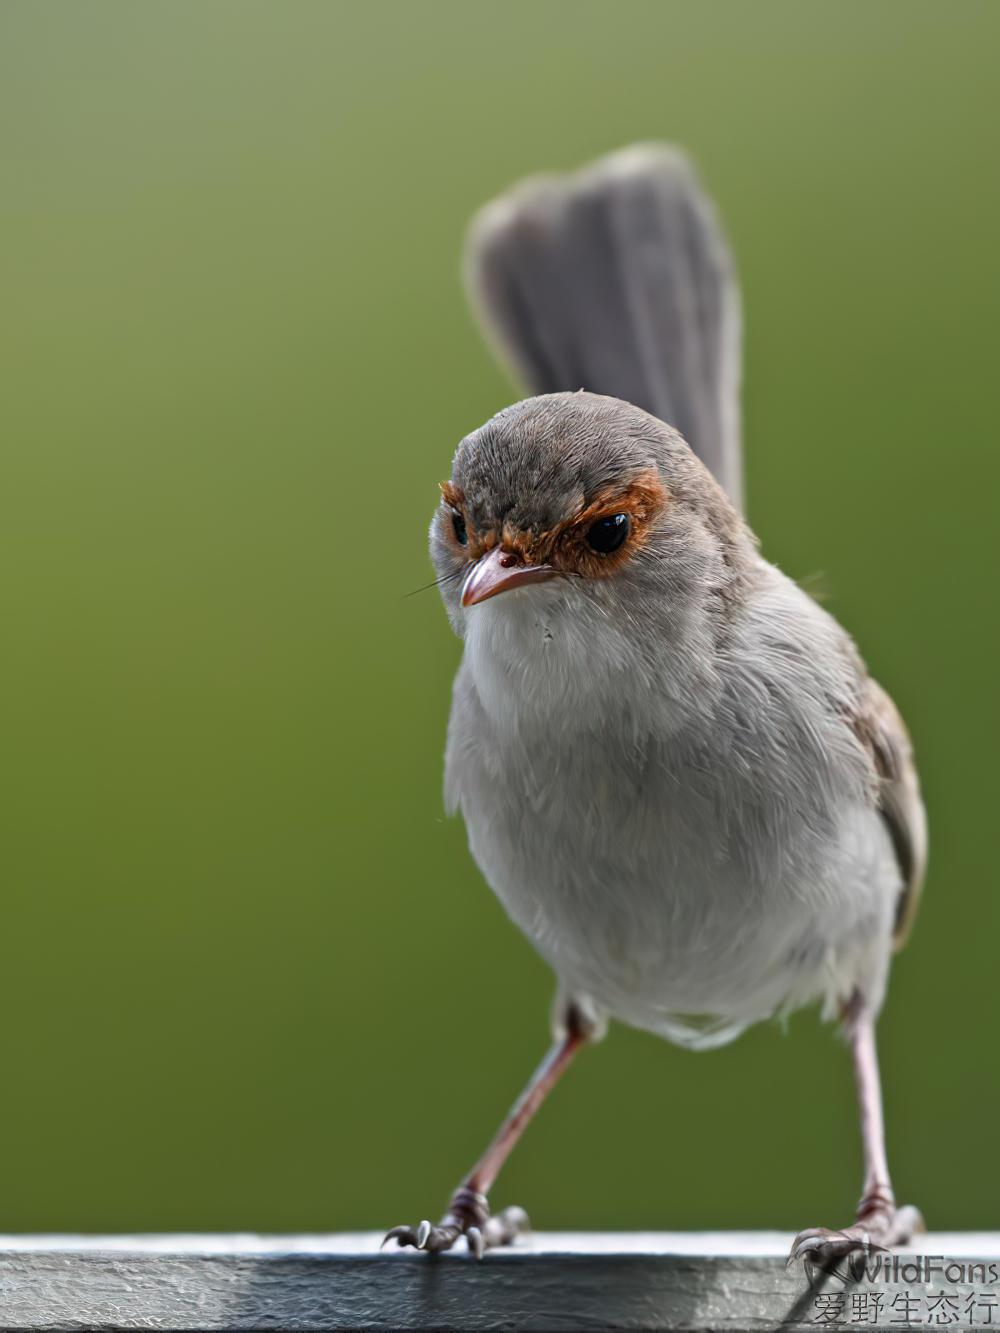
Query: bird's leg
{"points": [[468, 1213], [878, 1222]]}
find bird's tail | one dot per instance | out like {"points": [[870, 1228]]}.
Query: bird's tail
{"points": [[617, 279]]}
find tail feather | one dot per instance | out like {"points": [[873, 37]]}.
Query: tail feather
{"points": [[617, 279]]}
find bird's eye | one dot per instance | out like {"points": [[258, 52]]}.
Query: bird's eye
{"points": [[458, 523], [607, 534]]}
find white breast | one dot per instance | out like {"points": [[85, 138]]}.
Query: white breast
{"points": [[665, 866]]}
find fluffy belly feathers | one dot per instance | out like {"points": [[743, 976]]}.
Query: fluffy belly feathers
{"points": [[685, 902]]}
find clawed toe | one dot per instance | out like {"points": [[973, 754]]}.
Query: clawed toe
{"points": [[402, 1236], [505, 1228], [424, 1237], [500, 1230], [822, 1247]]}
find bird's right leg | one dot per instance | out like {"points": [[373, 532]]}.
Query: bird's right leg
{"points": [[878, 1223], [468, 1213]]}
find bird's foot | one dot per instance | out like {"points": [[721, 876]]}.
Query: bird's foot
{"points": [[879, 1226], [468, 1215]]}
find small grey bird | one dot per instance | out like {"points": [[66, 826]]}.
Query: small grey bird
{"points": [[675, 771]]}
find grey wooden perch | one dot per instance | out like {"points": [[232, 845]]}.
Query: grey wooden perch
{"points": [[721, 1280]]}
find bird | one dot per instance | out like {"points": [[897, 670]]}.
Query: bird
{"points": [[674, 768]]}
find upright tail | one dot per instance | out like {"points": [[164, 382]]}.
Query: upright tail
{"points": [[617, 279]]}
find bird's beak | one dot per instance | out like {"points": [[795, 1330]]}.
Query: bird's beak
{"points": [[499, 570]]}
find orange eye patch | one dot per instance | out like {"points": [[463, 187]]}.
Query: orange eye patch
{"points": [[566, 544]]}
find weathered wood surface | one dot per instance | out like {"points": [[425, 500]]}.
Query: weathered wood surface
{"points": [[725, 1281]]}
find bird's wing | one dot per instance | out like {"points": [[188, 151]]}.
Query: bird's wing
{"points": [[881, 730]]}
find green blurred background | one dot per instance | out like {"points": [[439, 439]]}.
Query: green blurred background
{"points": [[249, 975]]}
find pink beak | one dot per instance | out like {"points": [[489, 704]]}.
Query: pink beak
{"points": [[499, 570]]}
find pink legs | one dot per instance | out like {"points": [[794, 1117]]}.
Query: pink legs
{"points": [[878, 1222], [876, 1194], [468, 1213]]}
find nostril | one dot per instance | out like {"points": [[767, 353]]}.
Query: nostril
{"points": [[508, 559]]}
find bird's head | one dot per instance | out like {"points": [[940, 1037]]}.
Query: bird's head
{"points": [[578, 532]]}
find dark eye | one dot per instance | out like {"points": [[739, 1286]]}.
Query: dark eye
{"points": [[458, 523], [607, 534]]}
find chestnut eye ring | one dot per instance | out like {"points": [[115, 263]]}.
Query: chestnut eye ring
{"points": [[608, 533]]}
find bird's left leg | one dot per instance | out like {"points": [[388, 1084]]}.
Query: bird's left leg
{"points": [[879, 1223], [468, 1213]]}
